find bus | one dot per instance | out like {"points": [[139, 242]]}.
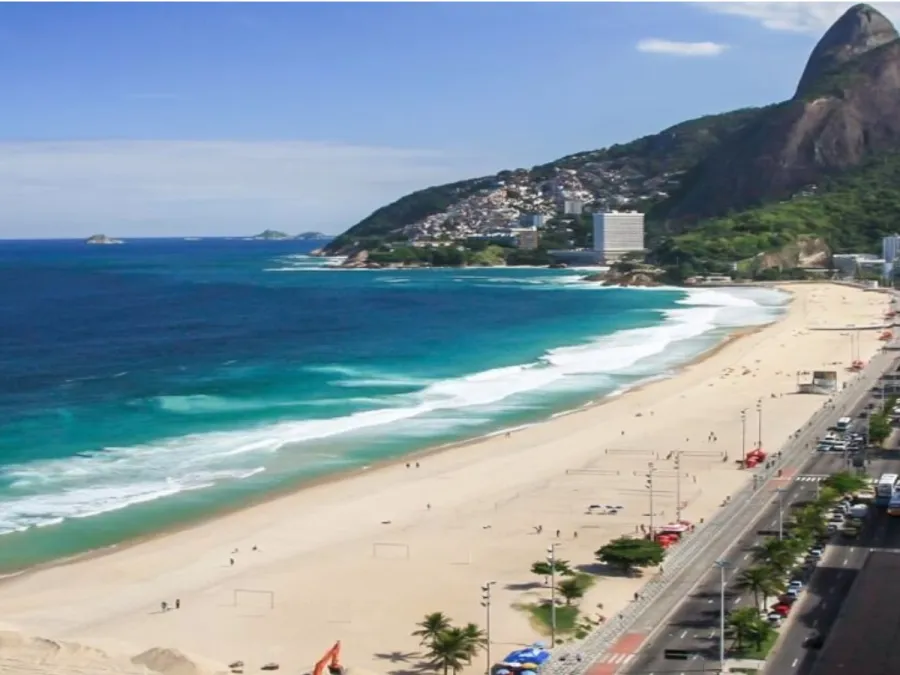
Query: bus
{"points": [[884, 489], [843, 424], [893, 508]]}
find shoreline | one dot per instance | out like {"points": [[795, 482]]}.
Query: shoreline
{"points": [[362, 558], [11, 573]]}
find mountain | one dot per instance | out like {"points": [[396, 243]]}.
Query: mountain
{"points": [[737, 178]]}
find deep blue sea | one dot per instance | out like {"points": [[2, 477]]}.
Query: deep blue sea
{"points": [[150, 383]]}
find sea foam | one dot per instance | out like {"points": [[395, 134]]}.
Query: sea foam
{"points": [[47, 492]]}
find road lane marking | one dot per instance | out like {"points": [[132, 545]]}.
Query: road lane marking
{"points": [[746, 555], [683, 635], [845, 562], [738, 600], [794, 664]]}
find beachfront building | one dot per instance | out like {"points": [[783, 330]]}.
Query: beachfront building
{"points": [[528, 239], [617, 233], [532, 220], [890, 250], [573, 207]]}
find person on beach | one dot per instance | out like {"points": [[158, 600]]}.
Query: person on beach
{"points": [[164, 606], [231, 561], [177, 603]]}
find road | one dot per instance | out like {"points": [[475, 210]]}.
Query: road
{"points": [[819, 606], [694, 626]]}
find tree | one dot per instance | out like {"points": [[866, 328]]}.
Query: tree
{"points": [[762, 581], [571, 589], [879, 428], [431, 627], [812, 520], [626, 553], [844, 483], [742, 620], [776, 553], [758, 631], [450, 650], [544, 569], [476, 639]]}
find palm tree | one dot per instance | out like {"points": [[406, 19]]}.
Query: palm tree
{"points": [[450, 650], [571, 589], [476, 640], [431, 627], [776, 553], [762, 581], [742, 620], [544, 569]]}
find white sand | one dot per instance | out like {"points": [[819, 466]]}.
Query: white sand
{"points": [[316, 546]]}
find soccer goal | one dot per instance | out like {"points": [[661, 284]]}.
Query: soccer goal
{"points": [[390, 550], [252, 597]]}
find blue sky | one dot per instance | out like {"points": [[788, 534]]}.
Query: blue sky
{"points": [[199, 119]]}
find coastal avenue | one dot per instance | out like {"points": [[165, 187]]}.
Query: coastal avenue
{"points": [[695, 596]]}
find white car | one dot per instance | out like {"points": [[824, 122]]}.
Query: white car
{"points": [[816, 552], [775, 619]]}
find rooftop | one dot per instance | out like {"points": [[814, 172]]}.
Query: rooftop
{"points": [[864, 639]]}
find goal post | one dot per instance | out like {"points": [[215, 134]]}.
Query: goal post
{"points": [[390, 550], [253, 597]]}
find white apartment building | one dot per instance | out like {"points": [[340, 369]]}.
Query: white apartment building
{"points": [[617, 233], [890, 248], [573, 207]]}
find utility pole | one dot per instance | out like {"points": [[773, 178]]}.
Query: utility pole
{"points": [[744, 436], [677, 486], [722, 565], [759, 413], [780, 492], [551, 558], [486, 603], [650, 471]]}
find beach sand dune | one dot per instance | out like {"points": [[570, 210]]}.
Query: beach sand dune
{"points": [[364, 558]]}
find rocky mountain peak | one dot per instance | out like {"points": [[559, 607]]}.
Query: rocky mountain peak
{"points": [[860, 29]]}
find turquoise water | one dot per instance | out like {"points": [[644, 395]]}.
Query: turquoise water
{"points": [[159, 381]]}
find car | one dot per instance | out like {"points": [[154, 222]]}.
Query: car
{"points": [[775, 619], [781, 610], [816, 552], [786, 599], [832, 527], [815, 640]]}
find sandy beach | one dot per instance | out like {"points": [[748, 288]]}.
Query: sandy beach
{"points": [[362, 559]]}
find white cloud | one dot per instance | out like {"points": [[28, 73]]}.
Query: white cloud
{"points": [[798, 17], [129, 188], [654, 46]]}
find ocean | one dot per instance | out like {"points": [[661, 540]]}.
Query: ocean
{"points": [[160, 381]]}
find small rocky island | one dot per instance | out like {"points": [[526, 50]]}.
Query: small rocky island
{"points": [[275, 235], [628, 272], [102, 239], [272, 235]]}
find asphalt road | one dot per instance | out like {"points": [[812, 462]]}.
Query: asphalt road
{"points": [[818, 608], [694, 626]]}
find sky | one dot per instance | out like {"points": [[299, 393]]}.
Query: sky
{"points": [[201, 119]]}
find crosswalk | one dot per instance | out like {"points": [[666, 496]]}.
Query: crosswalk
{"points": [[612, 657], [811, 478]]}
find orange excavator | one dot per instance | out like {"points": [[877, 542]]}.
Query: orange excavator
{"points": [[332, 660]]}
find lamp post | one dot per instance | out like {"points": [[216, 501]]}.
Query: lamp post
{"points": [[759, 414], [744, 436], [780, 492], [722, 565], [486, 603], [677, 486], [651, 469], [551, 559]]}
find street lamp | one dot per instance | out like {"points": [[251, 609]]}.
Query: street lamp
{"points": [[780, 492], [651, 469], [744, 436], [486, 603], [551, 558], [722, 565], [759, 413]]}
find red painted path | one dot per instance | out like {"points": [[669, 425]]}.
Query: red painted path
{"points": [[621, 653]]}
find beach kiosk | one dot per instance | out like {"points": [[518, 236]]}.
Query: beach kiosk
{"points": [[523, 661]]}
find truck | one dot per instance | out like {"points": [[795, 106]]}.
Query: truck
{"points": [[858, 511]]}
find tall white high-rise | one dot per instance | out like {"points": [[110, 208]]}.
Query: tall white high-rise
{"points": [[890, 248], [617, 233]]}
